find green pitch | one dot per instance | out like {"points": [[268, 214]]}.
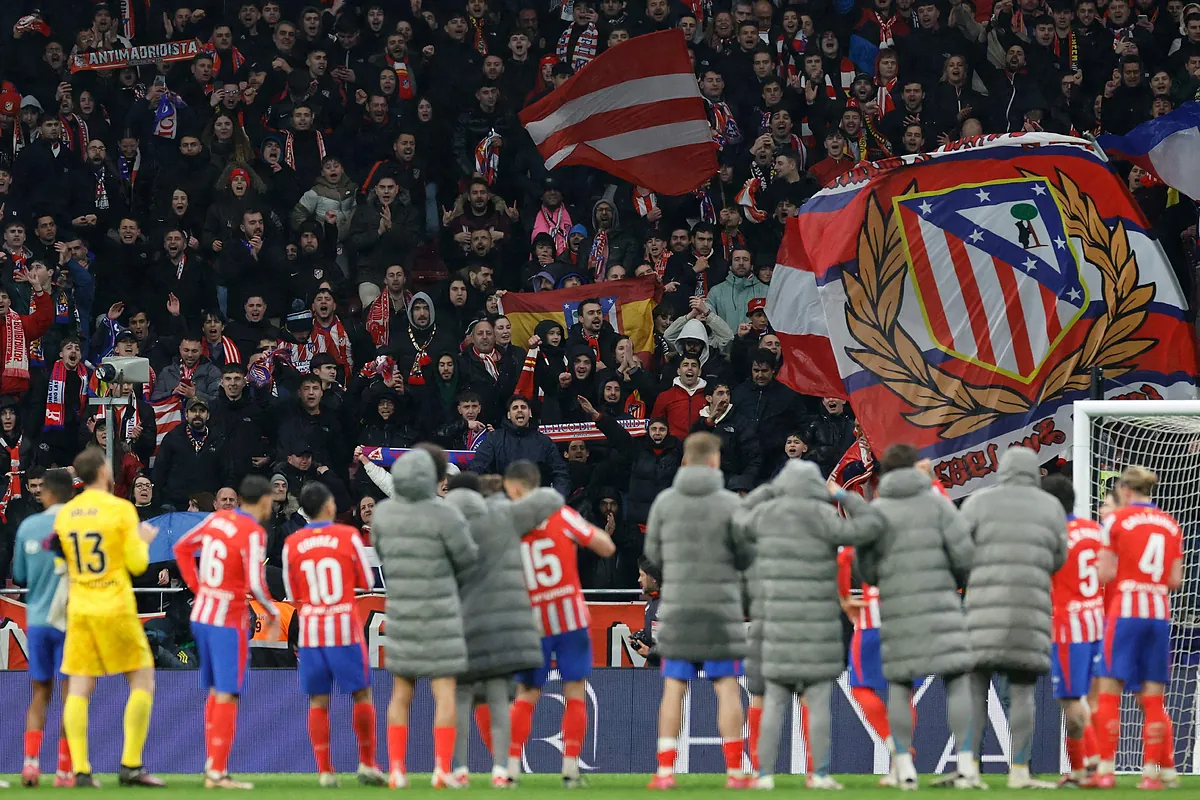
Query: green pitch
{"points": [[603, 787]]}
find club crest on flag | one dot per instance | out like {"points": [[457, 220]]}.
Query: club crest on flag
{"points": [[1020, 234], [609, 305], [1013, 288]]}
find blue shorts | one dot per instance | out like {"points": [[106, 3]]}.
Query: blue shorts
{"points": [[346, 665], [224, 657], [1072, 667], [1137, 651], [690, 670], [866, 661], [45, 652], [571, 652]]}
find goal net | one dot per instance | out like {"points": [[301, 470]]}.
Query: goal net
{"points": [[1162, 436]]}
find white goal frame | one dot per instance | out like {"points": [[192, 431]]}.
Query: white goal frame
{"points": [[1081, 451]]}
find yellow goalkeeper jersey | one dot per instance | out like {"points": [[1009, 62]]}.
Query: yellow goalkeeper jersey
{"points": [[100, 542]]}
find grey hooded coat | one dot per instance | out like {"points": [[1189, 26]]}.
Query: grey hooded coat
{"points": [[425, 548], [1020, 535], [918, 563], [502, 637], [691, 536], [797, 532]]}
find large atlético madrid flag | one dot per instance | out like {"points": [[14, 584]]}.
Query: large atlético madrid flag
{"points": [[635, 112], [960, 299]]}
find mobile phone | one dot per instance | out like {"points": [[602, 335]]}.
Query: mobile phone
{"points": [[1143, 18], [160, 80]]}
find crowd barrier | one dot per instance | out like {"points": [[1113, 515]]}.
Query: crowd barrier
{"points": [[622, 714]]}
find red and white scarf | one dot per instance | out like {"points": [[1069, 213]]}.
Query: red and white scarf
{"points": [[887, 25], [490, 361], [790, 52], [728, 242], [230, 352], [56, 395], [404, 83], [289, 148], [584, 50], [126, 422], [644, 200], [333, 340], [598, 255], [16, 351], [14, 470], [556, 227], [487, 156], [884, 101], [379, 318]]}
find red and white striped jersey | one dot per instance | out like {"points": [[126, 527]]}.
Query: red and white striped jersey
{"points": [[548, 555], [1147, 542], [232, 550], [1075, 589], [868, 616], [322, 566]]}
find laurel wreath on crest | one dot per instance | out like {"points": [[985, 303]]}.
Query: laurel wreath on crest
{"points": [[948, 403]]}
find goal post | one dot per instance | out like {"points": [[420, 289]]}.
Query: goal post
{"points": [[1164, 437]]}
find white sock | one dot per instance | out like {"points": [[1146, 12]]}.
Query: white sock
{"points": [[665, 744], [514, 766], [499, 771], [966, 764], [902, 766], [1106, 767], [31, 761], [570, 767]]}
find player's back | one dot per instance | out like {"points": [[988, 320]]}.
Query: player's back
{"points": [[550, 561], [1075, 589], [231, 548], [1146, 542], [323, 564], [867, 617], [99, 537]]}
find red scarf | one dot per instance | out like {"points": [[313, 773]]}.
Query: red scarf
{"points": [[644, 200], [404, 84], [480, 38], [598, 256], [14, 470], [289, 148], [56, 395], [379, 317], [229, 350], [333, 340], [884, 102], [729, 242], [490, 361], [125, 422], [235, 54], [886, 30], [16, 351]]}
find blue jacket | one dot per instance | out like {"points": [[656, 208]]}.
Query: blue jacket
{"points": [[508, 443], [34, 567]]}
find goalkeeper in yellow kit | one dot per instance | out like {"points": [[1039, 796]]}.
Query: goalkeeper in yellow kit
{"points": [[103, 544]]}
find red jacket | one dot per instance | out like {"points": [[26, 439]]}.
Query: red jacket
{"points": [[680, 408]]}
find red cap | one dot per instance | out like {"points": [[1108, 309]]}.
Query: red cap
{"points": [[10, 104], [757, 304]]}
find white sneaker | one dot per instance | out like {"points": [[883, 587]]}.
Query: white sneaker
{"points": [[1019, 778], [766, 782], [327, 780], [371, 776], [397, 780], [822, 782], [904, 773], [968, 773], [446, 780]]}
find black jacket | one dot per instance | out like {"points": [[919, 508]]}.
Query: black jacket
{"points": [[181, 471], [493, 392], [244, 274], [321, 432], [741, 456], [646, 471], [242, 423], [775, 412], [829, 437], [508, 443]]}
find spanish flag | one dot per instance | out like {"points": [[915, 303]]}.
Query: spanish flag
{"points": [[628, 306]]}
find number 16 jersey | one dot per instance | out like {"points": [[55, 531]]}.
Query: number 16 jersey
{"points": [[550, 561]]}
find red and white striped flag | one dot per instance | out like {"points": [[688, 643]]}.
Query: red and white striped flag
{"points": [[635, 112], [168, 413]]}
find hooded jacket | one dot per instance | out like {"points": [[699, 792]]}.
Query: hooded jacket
{"points": [[716, 335], [408, 342], [729, 298], [623, 247], [426, 547], [324, 196], [568, 409], [1020, 535], [501, 634], [918, 563], [681, 406], [797, 531], [692, 537], [646, 468]]}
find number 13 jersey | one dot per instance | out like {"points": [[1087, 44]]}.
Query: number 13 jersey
{"points": [[548, 555], [1147, 542], [323, 564], [1075, 588]]}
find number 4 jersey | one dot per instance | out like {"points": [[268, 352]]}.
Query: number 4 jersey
{"points": [[548, 554], [1075, 588], [1147, 543], [323, 565]]}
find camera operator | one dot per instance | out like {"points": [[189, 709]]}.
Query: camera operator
{"points": [[649, 577]]}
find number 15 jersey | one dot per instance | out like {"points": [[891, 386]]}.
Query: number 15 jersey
{"points": [[550, 561], [1147, 542]]}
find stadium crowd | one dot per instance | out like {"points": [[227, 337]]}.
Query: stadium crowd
{"points": [[308, 228]]}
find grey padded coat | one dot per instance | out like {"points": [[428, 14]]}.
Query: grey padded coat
{"points": [[1020, 535], [690, 534], [918, 563], [425, 547], [502, 637], [797, 533]]}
